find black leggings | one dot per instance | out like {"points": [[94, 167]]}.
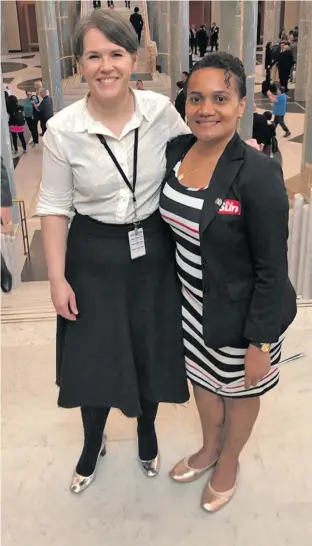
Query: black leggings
{"points": [[94, 421], [22, 139]]}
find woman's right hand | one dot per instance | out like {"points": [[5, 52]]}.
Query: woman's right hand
{"points": [[64, 299]]}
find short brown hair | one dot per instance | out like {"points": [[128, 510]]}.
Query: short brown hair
{"points": [[112, 25]]}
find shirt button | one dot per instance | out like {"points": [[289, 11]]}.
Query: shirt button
{"points": [[204, 262], [206, 289]]}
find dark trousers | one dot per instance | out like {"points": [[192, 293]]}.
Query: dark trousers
{"points": [[284, 82], [110, 4], [279, 120], [96, 5], [139, 32], [43, 123], [33, 127], [193, 45], [127, 4], [214, 43], [22, 139], [202, 49]]}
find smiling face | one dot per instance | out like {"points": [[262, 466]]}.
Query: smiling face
{"points": [[213, 105], [106, 66]]}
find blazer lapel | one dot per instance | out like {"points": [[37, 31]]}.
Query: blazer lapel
{"points": [[176, 150], [224, 174]]}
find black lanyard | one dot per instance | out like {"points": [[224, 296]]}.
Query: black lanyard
{"points": [[120, 170]]}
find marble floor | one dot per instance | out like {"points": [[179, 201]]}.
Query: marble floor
{"points": [[40, 445]]}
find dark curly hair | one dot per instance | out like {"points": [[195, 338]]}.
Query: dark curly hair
{"points": [[232, 66]]}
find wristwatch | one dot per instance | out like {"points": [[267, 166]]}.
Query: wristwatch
{"points": [[264, 347]]}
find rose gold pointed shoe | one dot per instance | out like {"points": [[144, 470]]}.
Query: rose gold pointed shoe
{"points": [[212, 500], [183, 473]]}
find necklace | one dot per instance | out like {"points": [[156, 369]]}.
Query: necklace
{"points": [[182, 176]]}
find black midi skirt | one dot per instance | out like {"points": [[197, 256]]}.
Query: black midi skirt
{"points": [[127, 342]]}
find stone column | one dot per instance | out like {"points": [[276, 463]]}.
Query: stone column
{"points": [[179, 46], [238, 36], [215, 12], [64, 30], [304, 50], [307, 138], [249, 36], [4, 45], [164, 36], [49, 51], [271, 28]]}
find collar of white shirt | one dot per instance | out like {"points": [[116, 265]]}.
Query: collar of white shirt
{"points": [[84, 122]]}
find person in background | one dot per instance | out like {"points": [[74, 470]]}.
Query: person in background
{"points": [[259, 129], [137, 22], [294, 50], [96, 4], [202, 40], [16, 122], [214, 37], [32, 115], [180, 99], [278, 98], [139, 85], [127, 4], [184, 76], [282, 35], [276, 49], [228, 209], [296, 33], [110, 4], [271, 148], [285, 63], [45, 109], [193, 39], [268, 56]]}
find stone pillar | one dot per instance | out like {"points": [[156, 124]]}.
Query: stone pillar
{"points": [[164, 36], [307, 132], [238, 36], [49, 51], [64, 29], [249, 36], [179, 47], [304, 50], [4, 45], [215, 12], [271, 28]]}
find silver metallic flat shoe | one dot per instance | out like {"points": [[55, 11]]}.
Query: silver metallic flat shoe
{"points": [[151, 468], [80, 483]]}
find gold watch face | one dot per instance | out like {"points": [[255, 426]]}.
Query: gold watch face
{"points": [[265, 347]]}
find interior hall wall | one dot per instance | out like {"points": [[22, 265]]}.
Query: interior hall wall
{"points": [[9, 14], [200, 13], [291, 16]]}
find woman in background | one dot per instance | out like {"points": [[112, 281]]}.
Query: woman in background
{"points": [[16, 122]]}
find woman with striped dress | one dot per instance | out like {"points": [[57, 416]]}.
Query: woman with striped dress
{"points": [[228, 209]]}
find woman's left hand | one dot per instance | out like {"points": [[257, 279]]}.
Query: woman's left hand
{"points": [[257, 365]]}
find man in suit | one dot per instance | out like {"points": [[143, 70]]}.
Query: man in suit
{"points": [[193, 39], [137, 22], [214, 37], [45, 109], [180, 99], [202, 40], [260, 127]]}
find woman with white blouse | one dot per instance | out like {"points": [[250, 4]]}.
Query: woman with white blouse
{"points": [[112, 274]]}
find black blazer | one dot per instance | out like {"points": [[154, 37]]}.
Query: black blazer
{"points": [[180, 103], [243, 237]]}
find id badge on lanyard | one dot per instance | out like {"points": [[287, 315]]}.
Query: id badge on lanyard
{"points": [[136, 235]]}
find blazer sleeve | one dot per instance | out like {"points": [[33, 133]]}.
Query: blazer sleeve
{"points": [[266, 210]]}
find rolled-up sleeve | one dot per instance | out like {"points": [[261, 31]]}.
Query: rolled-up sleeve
{"points": [[56, 190]]}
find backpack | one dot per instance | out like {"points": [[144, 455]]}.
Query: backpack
{"points": [[18, 117]]}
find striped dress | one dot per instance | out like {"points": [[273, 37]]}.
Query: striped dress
{"points": [[219, 371]]}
